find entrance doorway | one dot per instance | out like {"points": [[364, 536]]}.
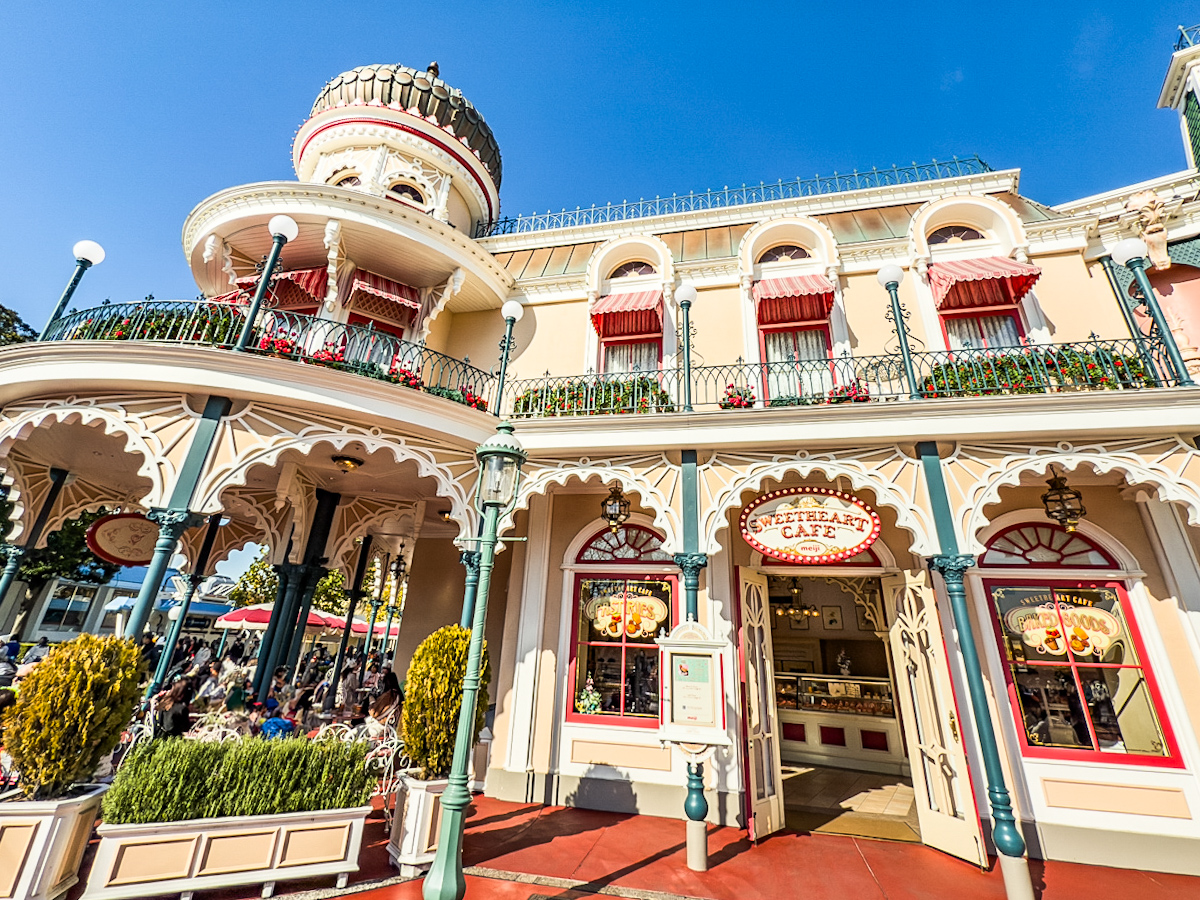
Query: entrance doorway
{"points": [[850, 720]]}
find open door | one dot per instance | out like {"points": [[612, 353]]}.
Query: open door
{"points": [[764, 780], [945, 802]]}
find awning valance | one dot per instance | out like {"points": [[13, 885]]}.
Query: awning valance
{"points": [[976, 283], [298, 287], [375, 296], [628, 314], [795, 298]]}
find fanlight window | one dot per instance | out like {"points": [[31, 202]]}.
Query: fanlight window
{"points": [[628, 544], [784, 253], [1045, 546], [954, 234], [404, 191], [636, 267], [350, 180]]}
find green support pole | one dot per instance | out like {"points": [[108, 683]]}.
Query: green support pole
{"points": [[470, 561], [354, 595], [194, 580], [375, 604], [686, 306], [1137, 265], [691, 561], [277, 242], [312, 578], [952, 565], [283, 576], [893, 289], [176, 519], [58, 480], [221, 646], [269, 656], [81, 266]]}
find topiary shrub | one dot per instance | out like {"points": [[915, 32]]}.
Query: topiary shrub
{"points": [[179, 780], [433, 699], [71, 711]]}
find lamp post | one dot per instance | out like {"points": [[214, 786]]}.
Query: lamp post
{"points": [[283, 229], [87, 254], [500, 459], [685, 295], [512, 310], [397, 572], [890, 277], [1132, 253], [376, 602]]}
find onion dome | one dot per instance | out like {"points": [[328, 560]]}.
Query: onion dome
{"points": [[418, 93]]}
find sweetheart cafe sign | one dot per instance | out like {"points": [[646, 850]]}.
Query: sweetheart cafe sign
{"points": [[815, 526]]}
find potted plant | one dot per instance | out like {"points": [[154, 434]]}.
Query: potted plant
{"points": [[68, 717], [737, 397], [432, 701], [184, 816]]}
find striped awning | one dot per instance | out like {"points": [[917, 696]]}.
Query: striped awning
{"points": [[976, 283], [628, 314], [374, 296], [298, 287], [795, 298]]}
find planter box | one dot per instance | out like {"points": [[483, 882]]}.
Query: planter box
{"points": [[42, 842], [413, 841], [201, 854]]}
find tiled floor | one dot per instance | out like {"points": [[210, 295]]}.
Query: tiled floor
{"points": [[844, 801]]}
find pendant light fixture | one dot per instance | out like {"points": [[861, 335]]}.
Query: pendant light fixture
{"points": [[1063, 503]]}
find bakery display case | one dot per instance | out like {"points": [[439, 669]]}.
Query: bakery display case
{"points": [[841, 694]]}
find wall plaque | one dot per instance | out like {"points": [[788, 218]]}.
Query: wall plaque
{"points": [[815, 526]]}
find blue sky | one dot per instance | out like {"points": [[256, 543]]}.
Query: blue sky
{"points": [[120, 117]]}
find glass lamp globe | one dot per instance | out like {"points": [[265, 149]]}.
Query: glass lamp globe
{"points": [[686, 294], [512, 309], [892, 274], [1130, 248], [89, 252], [284, 227]]}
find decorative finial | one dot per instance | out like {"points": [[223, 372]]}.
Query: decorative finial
{"points": [[432, 69]]}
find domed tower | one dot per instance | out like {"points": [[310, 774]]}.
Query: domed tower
{"points": [[396, 170], [406, 135]]}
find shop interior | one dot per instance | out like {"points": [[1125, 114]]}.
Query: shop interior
{"points": [[844, 764]]}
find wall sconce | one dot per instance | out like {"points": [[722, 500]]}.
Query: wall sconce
{"points": [[1063, 503]]}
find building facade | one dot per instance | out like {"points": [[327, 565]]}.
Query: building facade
{"points": [[782, 399]]}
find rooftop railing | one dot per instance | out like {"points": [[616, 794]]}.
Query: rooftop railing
{"points": [[1188, 37], [763, 192], [357, 349]]}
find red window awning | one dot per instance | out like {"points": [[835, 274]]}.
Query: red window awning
{"points": [[299, 287], [976, 283], [628, 314], [795, 298]]}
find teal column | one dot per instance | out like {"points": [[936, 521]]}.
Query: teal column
{"points": [[951, 565], [14, 557], [897, 311], [354, 595], [269, 656], [470, 561], [58, 480], [311, 576], [283, 576], [1137, 265], [175, 519]]}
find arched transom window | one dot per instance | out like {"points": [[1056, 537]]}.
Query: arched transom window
{"points": [[1045, 545], [635, 267], [955, 234], [628, 544], [784, 253]]}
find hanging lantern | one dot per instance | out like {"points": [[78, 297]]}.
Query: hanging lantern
{"points": [[1063, 503], [614, 508]]}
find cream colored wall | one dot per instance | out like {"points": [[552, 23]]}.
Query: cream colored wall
{"points": [[477, 335], [551, 337], [459, 213], [1076, 299], [717, 317], [435, 595], [439, 332]]}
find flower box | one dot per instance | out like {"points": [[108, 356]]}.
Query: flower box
{"points": [[201, 854], [42, 843], [413, 843]]}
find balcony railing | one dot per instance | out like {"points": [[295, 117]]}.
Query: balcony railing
{"points": [[763, 192], [349, 348], [1094, 365], [1188, 37]]}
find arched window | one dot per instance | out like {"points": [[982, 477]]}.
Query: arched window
{"points": [[346, 179], [618, 613], [1079, 683], [635, 267], [784, 253], [1045, 545], [404, 191], [954, 234]]}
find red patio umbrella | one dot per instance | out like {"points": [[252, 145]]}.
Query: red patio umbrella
{"points": [[256, 618]]}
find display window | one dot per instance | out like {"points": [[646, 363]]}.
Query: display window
{"points": [[1077, 675], [797, 363], [614, 675]]}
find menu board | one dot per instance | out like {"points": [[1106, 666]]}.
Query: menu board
{"points": [[692, 695]]}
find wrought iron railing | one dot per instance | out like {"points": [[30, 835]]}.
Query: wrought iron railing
{"points": [[763, 192], [1188, 37], [361, 350], [1093, 365]]}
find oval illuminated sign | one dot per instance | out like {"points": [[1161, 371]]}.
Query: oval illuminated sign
{"points": [[813, 526], [125, 539]]}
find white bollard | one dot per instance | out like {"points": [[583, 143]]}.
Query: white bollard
{"points": [[697, 846], [1017, 883]]}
